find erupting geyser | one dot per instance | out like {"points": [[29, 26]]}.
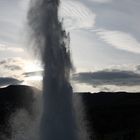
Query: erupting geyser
{"points": [[58, 118]]}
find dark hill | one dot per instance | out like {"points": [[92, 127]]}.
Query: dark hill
{"points": [[13, 98], [111, 116]]}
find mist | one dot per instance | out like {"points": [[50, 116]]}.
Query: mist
{"points": [[51, 41]]}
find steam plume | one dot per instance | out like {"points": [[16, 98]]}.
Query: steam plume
{"points": [[58, 118]]}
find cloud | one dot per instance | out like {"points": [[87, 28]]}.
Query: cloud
{"points": [[120, 40], [12, 67], [76, 15], [108, 77], [101, 1], [5, 81], [34, 73], [12, 63], [4, 48], [138, 67], [24, 4], [12, 23], [17, 71]]}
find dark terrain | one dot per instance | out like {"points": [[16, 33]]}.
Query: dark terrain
{"points": [[12, 99], [111, 116]]}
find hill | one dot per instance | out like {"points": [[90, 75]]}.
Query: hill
{"points": [[111, 116]]}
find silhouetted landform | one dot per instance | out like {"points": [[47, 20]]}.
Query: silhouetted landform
{"points": [[13, 98], [111, 116]]}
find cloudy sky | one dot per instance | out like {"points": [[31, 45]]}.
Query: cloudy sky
{"points": [[105, 43]]}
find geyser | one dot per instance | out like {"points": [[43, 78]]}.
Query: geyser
{"points": [[58, 118]]}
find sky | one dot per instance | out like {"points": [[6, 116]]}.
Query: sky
{"points": [[105, 44]]}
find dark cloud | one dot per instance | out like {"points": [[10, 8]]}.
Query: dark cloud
{"points": [[5, 81], [34, 73], [13, 67], [11, 64], [106, 77], [138, 67]]}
